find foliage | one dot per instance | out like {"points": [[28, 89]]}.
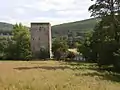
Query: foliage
{"points": [[106, 37], [59, 48], [71, 55], [10, 50], [19, 45], [117, 59], [103, 8], [3, 46], [6, 32], [86, 50], [21, 37], [103, 46]]}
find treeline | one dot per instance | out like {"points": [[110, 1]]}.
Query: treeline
{"points": [[103, 45], [6, 32], [16, 47]]}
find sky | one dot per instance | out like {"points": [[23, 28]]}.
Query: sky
{"points": [[53, 11]]}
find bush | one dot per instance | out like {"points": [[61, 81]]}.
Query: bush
{"points": [[58, 54], [59, 49], [117, 60], [71, 55]]}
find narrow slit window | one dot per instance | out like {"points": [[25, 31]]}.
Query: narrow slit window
{"points": [[40, 28], [33, 38]]}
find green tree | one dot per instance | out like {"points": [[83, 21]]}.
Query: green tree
{"points": [[3, 47], [71, 55], [11, 50], [19, 46], [106, 36], [59, 48], [86, 50], [103, 44]]}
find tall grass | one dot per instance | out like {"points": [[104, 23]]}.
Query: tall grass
{"points": [[52, 75]]}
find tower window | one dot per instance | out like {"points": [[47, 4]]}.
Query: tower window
{"points": [[33, 38], [40, 28]]}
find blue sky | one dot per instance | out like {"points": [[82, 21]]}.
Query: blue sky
{"points": [[53, 11]]}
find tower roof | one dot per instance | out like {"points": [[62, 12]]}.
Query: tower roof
{"points": [[39, 23]]}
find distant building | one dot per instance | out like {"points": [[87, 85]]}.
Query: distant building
{"points": [[5, 34], [78, 56], [40, 38]]}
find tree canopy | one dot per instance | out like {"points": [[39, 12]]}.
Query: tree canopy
{"points": [[105, 41]]}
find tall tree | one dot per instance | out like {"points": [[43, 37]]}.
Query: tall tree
{"points": [[3, 46], [59, 48], [109, 12], [20, 45], [106, 37], [86, 50]]}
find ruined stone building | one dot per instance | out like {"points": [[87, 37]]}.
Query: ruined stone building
{"points": [[40, 38]]}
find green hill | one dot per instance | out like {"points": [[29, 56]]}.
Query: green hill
{"points": [[62, 29], [5, 26], [78, 26]]}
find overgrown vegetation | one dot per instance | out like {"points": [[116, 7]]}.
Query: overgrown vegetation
{"points": [[52, 75], [59, 48], [17, 46], [104, 44]]}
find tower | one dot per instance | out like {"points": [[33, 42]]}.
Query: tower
{"points": [[40, 38]]}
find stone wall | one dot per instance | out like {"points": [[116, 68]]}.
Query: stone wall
{"points": [[40, 38]]}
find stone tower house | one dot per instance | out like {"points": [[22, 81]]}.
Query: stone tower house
{"points": [[40, 38]]}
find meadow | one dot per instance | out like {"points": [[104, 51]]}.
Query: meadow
{"points": [[54, 75]]}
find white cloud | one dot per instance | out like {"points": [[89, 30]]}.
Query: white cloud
{"points": [[46, 5], [54, 11], [20, 11], [62, 7], [71, 13]]}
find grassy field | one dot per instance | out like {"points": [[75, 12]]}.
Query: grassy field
{"points": [[52, 75]]}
